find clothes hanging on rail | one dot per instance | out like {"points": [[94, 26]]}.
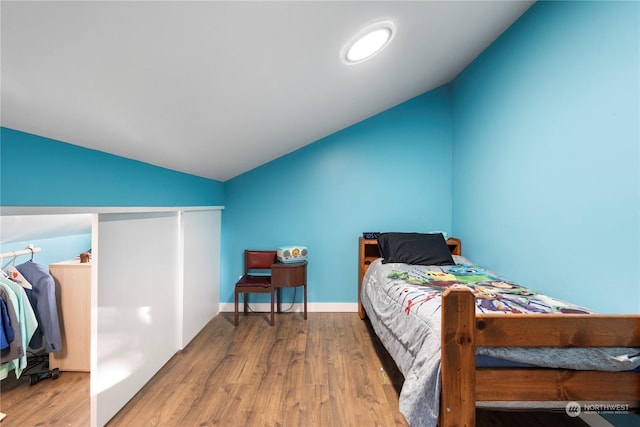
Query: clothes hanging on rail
{"points": [[15, 349], [6, 330], [27, 324], [42, 297]]}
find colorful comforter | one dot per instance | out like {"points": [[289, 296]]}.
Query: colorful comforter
{"points": [[403, 304]]}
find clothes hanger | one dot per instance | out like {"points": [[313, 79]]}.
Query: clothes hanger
{"points": [[13, 274], [10, 263]]}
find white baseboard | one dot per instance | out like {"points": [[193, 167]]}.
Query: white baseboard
{"points": [[314, 307]]}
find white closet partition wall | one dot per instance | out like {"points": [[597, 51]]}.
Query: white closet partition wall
{"points": [[201, 271], [137, 310]]}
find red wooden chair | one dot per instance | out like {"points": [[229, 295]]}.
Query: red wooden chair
{"points": [[255, 283]]}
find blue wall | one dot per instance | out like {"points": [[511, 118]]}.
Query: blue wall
{"points": [[326, 194], [37, 171], [546, 157]]}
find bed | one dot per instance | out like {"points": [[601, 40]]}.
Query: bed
{"points": [[463, 336]]}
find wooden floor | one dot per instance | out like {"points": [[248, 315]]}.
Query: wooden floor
{"points": [[51, 402], [327, 371], [319, 372]]}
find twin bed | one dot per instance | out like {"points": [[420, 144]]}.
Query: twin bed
{"points": [[463, 336]]}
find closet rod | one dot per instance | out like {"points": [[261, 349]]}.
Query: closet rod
{"points": [[20, 252]]}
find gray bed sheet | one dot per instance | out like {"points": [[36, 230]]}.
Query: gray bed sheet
{"points": [[403, 304]]}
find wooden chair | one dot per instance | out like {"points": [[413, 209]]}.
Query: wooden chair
{"points": [[251, 283]]}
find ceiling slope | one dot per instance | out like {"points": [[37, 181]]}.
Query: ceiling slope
{"points": [[215, 88]]}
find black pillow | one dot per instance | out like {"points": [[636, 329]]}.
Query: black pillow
{"points": [[414, 248]]}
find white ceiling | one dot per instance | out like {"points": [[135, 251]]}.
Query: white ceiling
{"points": [[215, 88]]}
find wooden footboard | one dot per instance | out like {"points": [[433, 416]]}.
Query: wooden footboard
{"points": [[463, 384]]}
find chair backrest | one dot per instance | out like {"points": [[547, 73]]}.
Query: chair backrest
{"points": [[259, 260]]}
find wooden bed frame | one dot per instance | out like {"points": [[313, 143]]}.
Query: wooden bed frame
{"points": [[463, 384]]}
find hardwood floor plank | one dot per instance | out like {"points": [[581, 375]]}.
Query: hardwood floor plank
{"points": [[315, 368], [314, 407], [51, 402]]}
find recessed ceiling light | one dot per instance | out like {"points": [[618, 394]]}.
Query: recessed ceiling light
{"points": [[368, 42]]}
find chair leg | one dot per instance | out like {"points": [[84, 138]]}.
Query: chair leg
{"points": [[236, 307], [272, 307], [246, 303], [305, 302]]}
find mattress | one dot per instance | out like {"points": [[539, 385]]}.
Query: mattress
{"points": [[403, 303]]}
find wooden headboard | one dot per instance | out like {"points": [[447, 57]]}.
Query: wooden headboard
{"points": [[369, 252]]}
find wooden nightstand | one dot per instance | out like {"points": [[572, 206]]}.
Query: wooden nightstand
{"points": [[368, 253], [289, 276]]}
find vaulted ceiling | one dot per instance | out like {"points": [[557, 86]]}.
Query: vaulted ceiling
{"points": [[216, 88]]}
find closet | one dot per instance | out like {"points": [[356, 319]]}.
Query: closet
{"points": [[30, 327], [29, 313], [33, 324], [154, 281]]}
